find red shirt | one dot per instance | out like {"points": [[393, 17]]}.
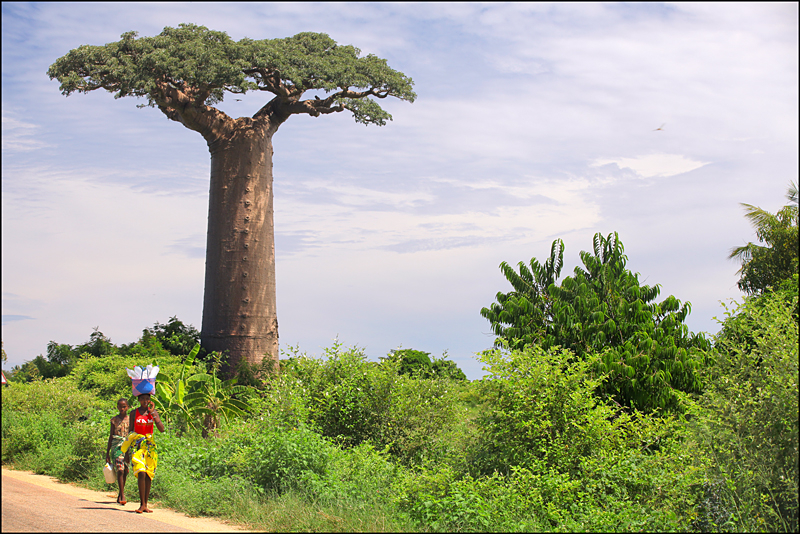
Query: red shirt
{"points": [[143, 424]]}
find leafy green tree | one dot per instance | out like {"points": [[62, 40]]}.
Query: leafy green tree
{"points": [[98, 345], [644, 346], [175, 336], [521, 317], [59, 362], [183, 72], [419, 364], [765, 266], [444, 368], [413, 362]]}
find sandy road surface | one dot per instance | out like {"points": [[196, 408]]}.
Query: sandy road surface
{"points": [[37, 503]]}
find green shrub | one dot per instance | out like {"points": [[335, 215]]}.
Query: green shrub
{"points": [[542, 410], [57, 395], [352, 401], [749, 420], [107, 378], [360, 476], [350, 396], [420, 365], [39, 442], [420, 418], [88, 439]]}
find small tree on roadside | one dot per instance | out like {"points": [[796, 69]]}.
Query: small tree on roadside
{"points": [[644, 346]]}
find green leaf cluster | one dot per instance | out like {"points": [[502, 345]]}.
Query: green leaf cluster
{"points": [[544, 409], [766, 266], [201, 400], [643, 345], [204, 64]]}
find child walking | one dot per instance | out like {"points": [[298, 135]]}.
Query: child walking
{"points": [[114, 456]]}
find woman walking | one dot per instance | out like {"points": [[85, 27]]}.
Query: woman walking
{"points": [[145, 458]]}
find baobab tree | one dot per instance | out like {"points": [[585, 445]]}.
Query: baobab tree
{"points": [[183, 72]]}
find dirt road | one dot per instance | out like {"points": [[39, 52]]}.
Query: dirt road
{"points": [[36, 503]]}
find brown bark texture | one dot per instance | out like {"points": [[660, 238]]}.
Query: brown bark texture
{"points": [[239, 306]]}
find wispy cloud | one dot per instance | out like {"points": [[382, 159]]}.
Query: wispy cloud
{"points": [[653, 165], [534, 121], [19, 136], [12, 318]]}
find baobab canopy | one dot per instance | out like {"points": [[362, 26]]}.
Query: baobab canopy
{"points": [[183, 72], [202, 64]]}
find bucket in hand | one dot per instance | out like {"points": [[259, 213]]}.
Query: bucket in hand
{"points": [[108, 474]]}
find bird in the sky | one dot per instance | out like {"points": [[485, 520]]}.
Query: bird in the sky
{"points": [[660, 127]]}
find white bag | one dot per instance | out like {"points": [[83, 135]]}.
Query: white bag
{"points": [[108, 474]]}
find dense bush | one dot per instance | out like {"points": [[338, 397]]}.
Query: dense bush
{"points": [[106, 376], [749, 420], [353, 401], [342, 443], [60, 396]]}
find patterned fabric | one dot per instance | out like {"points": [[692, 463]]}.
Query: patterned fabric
{"points": [[121, 425], [145, 456], [117, 456]]}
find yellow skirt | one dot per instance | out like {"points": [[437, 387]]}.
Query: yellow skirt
{"points": [[145, 456]]}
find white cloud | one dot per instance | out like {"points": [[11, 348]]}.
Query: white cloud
{"points": [[653, 165], [533, 121]]}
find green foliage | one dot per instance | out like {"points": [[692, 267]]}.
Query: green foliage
{"points": [[48, 443], [203, 64], [106, 377], [58, 395], [766, 266], [531, 447], [60, 359], [521, 317], [413, 362], [97, 346], [215, 399], [201, 400], [544, 412], [419, 364], [646, 349], [354, 401], [175, 337], [307, 483], [348, 396], [30, 433], [750, 417], [274, 459]]}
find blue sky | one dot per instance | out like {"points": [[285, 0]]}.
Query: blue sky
{"points": [[533, 122]]}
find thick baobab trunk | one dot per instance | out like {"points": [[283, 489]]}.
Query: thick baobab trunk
{"points": [[239, 313]]}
